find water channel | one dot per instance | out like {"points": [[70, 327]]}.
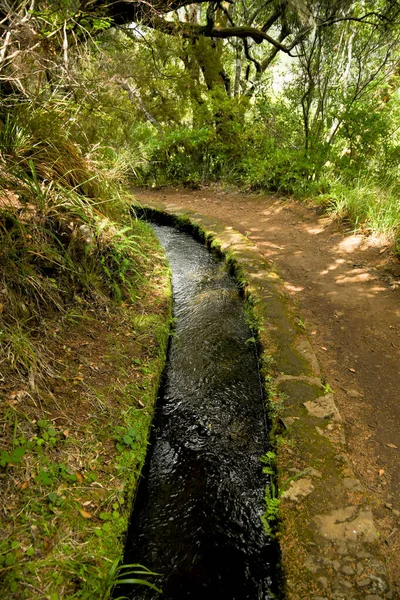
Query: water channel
{"points": [[197, 515]]}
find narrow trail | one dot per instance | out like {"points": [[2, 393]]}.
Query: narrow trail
{"points": [[347, 292]]}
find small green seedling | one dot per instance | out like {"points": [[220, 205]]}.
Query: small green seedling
{"points": [[126, 440]]}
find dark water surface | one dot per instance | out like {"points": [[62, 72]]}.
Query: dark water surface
{"points": [[197, 516]]}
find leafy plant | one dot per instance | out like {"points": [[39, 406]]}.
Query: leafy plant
{"points": [[125, 438], [12, 458]]}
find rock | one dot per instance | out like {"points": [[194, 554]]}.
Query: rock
{"points": [[314, 472], [360, 568], [298, 489], [323, 581], [323, 407], [347, 524], [364, 582], [307, 351], [354, 394], [347, 570], [352, 484], [287, 422]]}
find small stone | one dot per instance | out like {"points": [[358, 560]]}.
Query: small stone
{"points": [[323, 407], [396, 513], [360, 568], [346, 584], [315, 473], [389, 506], [323, 582], [352, 484], [287, 422], [373, 597], [336, 565], [298, 489], [363, 554], [353, 394], [364, 582], [347, 570]]}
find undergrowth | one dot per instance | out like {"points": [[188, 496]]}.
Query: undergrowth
{"points": [[84, 320]]}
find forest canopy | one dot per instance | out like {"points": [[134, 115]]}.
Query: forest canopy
{"points": [[299, 97]]}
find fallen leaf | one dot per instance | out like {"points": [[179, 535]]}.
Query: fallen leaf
{"points": [[381, 472], [86, 503], [352, 370], [85, 514], [391, 445], [66, 433], [24, 485], [323, 348], [79, 477], [314, 332], [79, 378]]}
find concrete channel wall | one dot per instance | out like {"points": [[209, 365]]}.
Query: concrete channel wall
{"points": [[328, 539]]}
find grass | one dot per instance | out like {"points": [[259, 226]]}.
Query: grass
{"points": [[367, 207], [67, 497], [84, 322]]}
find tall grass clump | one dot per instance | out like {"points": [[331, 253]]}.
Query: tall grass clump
{"points": [[366, 206], [66, 236]]}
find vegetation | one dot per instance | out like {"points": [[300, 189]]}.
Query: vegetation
{"points": [[296, 98], [300, 98]]}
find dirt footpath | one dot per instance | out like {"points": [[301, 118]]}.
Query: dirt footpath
{"points": [[347, 291]]}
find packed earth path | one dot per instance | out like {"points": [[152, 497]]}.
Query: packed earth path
{"points": [[346, 289]]}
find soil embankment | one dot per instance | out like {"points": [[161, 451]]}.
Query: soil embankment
{"points": [[345, 290]]}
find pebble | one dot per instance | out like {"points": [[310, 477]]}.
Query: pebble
{"points": [[363, 554], [373, 597], [336, 565], [354, 394], [364, 582], [347, 570], [323, 581], [360, 568]]}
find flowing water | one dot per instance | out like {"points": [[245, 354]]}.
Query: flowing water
{"points": [[197, 516]]}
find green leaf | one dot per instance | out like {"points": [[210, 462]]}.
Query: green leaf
{"points": [[10, 559], [127, 439], [18, 454]]}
